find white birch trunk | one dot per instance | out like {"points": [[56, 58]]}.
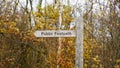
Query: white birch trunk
{"points": [[60, 22]]}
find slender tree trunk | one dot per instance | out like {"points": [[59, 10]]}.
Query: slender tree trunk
{"points": [[40, 3], [60, 41]]}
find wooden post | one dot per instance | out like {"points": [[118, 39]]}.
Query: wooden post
{"points": [[79, 42]]}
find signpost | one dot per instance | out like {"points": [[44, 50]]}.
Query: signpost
{"points": [[78, 33]]}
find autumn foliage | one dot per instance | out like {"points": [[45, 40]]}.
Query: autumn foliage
{"points": [[19, 48]]}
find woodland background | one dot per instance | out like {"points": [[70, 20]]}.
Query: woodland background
{"points": [[19, 48]]}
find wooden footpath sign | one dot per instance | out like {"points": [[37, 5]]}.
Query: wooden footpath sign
{"points": [[78, 33]]}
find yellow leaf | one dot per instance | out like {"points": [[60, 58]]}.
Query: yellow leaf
{"points": [[118, 60], [2, 30]]}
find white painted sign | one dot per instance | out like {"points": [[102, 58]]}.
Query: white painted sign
{"points": [[55, 33]]}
